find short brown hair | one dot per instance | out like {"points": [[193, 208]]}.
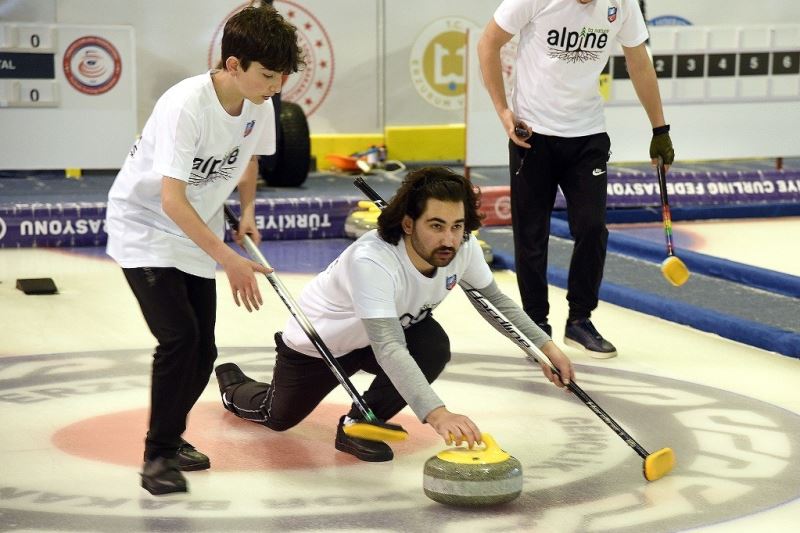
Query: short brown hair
{"points": [[411, 199], [261, 34]]}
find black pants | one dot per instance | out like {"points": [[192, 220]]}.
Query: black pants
{"points": [[579, 166], [180, 310], [300, 383]]}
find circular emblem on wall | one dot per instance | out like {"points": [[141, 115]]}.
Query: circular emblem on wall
{"points": [[438, 62], [92, 65], [309, 87]]}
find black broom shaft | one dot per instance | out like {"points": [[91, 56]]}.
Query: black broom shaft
{"points": [[370, 193], [532, 352], [522, 341], [302, 320], [662, 182]]}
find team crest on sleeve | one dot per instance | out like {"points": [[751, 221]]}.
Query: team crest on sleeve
{"points": [[612, 14], [248, 128], [451, 281]]}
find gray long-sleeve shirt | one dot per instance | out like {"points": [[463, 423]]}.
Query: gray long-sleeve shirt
{"points": [[388, 342]]}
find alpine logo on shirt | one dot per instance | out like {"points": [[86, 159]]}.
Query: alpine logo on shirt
{"points": [[451, 282], [577, 46], [210, 169]]}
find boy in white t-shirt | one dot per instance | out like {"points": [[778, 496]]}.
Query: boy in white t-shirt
{"points": [[558, 138], [165, 222], [373, 307]]}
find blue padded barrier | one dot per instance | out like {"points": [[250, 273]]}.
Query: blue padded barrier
{"points": [[761, 278], [730, 327]]}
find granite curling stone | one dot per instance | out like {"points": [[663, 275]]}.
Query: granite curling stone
{"points": [[473, 478]]}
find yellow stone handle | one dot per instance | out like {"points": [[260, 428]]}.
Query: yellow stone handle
{"points": [[490, 453]]}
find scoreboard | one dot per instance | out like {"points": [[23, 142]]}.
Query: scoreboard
{"points": [[728, 92], [710, 64], [27, 66], [67, 96]]}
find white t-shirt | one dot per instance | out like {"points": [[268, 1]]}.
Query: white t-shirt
{"points": [[562, 50], [376, 279], [190, 137]]}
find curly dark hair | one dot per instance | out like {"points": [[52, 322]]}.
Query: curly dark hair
{"points": [[260, 33], [411, 198]]}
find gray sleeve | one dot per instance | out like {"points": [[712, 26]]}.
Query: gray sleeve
{"points": [[513, 313], [389, 344]]}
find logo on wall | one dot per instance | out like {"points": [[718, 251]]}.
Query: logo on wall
{"points": [[309, 87], [438, 62], [2, 229], [92, 65]]}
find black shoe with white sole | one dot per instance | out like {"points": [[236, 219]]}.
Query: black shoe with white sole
{"points": [[583, 335]]}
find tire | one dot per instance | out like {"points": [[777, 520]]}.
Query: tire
{"points": [[290, 165]]}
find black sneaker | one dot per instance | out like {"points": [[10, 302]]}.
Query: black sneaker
{"points": [[366, 450], [228, 374], [162, 476], [546, 327], [190, 459], [582, 334]]}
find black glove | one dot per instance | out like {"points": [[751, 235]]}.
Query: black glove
{"points": [[661, 145]]}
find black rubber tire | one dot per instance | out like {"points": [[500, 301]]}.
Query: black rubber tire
{"points": [[292, 161]]}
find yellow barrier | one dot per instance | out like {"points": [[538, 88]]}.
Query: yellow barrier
{"points": [[405, 143]]}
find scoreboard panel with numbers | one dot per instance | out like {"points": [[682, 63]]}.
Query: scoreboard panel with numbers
{"points": [[67, 95], [717, 64]]}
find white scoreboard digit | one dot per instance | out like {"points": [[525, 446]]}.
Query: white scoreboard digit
{"points": [[67, 96]]}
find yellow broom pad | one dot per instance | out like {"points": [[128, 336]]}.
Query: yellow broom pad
{"points": [[658, 464], [375, 431], [674, 270]]}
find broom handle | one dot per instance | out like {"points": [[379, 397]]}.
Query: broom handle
{"points": [[665, 212], [302, 320]]}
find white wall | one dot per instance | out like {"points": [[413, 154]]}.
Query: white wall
{"points": [[372, 45], [173, 39]]}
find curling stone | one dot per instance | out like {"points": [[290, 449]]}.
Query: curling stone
{"points": [[472, 478]]}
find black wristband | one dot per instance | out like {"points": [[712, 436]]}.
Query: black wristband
{"points": [[661, 129]]}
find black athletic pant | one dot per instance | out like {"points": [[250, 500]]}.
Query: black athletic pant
{"points": [[579, 166], [180, 310], [300, 382]]}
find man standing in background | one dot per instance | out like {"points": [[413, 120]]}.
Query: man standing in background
{"points": [[558, 138]]}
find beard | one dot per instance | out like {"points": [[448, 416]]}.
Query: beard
{"points": [[437, 257]]}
